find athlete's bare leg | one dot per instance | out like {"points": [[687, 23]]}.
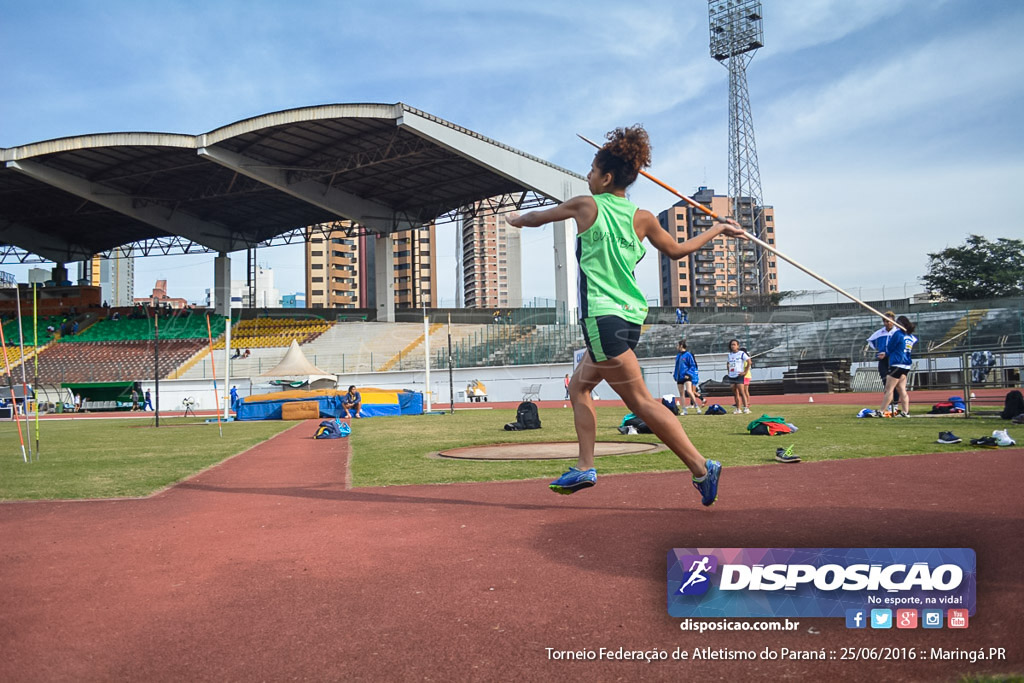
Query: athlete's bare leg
{"points": [[583, 381], [623, 375]]}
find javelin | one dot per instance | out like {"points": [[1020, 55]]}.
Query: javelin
{"points": [[761, 243]]}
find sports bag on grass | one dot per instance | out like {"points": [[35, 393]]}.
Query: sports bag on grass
{"points": [[1013, 406], [527, 417], [636, 423], [670, 402], [332, 429]]}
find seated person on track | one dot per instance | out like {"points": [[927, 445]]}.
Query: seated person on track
{"points": [[352, 402]]}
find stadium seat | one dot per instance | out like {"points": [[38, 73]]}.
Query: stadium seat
{"points": [[262, 333]]}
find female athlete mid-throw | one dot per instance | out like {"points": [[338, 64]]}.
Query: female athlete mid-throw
{"points": [[610, 232]]}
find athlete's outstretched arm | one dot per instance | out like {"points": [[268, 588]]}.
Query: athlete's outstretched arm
{"points": [[648, 226], [581, 209]]}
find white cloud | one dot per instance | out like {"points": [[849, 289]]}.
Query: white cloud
{"points": [[951, 77], [792, 26], [872, 227]]}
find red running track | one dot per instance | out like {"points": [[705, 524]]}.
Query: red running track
{"points": [[269, 567]]}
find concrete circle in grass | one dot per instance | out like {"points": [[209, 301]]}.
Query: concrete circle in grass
{"points": [[546, 450]]}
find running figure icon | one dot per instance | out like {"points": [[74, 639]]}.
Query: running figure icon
{"points": [[697, 570]]}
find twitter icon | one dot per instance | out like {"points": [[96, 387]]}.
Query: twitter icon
{"points": [[881, 618]]}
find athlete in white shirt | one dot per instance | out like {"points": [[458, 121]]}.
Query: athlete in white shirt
{"points": [[737, 365]]}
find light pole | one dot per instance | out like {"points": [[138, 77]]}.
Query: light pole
{"points": [[736, 33]]}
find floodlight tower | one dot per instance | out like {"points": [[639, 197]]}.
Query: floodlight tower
{"points": [[736, 33]]}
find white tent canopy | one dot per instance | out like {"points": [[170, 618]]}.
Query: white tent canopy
{"points": [[295, 364]]}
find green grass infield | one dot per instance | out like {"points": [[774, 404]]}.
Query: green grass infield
{"points": [[390, 451], [98, 458], [116, 458]]}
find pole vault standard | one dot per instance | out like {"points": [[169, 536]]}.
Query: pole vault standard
{"points": [[10, 384], [700, 207], [451, 376], [35, 360], [426, 358], [213, 371], [227, 365], [24, 379], [156, 368]]}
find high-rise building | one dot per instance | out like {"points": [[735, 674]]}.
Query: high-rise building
{"points": [[491, 260], [339, 269], [333, 271], [415, 268], [114, 276], [723, 272], [267, 295]]}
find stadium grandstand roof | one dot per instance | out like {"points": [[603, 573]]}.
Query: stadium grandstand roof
{"points": [[380, 168]]}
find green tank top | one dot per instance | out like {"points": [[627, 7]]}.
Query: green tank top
{"points": [[606, 254]]}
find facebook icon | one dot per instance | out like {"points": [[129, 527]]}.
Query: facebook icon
{"points": [[856, 618]]}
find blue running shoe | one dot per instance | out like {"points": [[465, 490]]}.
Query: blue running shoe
{"points": [[709, 487], [574, 480]]}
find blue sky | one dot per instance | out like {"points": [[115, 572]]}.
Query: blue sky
{"points": [[886, 129]]}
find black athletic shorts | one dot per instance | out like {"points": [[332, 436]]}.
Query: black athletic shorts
{"points": [[734, 380], [898, 372], [608, 336]]}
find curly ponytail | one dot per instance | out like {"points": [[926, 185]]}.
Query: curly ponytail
{"points": [[627, 151]]}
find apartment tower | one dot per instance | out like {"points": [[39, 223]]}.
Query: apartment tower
{"points": [[723, 272], [115, 276], [491, 260], [339, 269]]}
